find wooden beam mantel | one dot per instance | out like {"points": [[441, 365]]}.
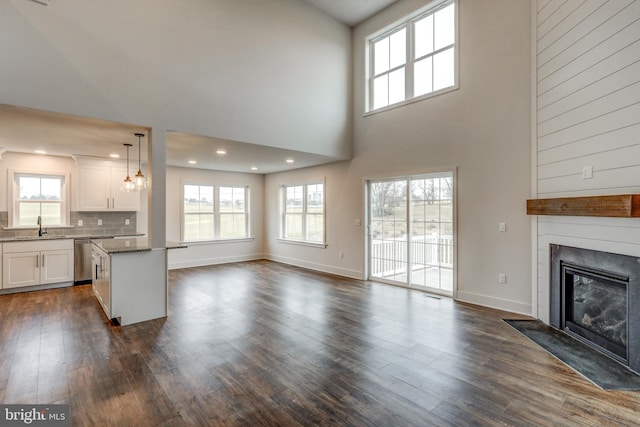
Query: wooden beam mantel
{"points": [[620, 206]]}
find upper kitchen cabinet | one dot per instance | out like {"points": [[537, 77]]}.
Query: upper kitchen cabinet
{"points": [[99, 187]]}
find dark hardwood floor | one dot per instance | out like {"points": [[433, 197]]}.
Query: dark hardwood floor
{"points": [[261, 343]]}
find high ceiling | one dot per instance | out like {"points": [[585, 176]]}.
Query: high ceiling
{"points": [[26, 130], [351, 12]]}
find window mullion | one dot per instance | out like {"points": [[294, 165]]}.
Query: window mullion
{"points": [[216, 212], [408, 76], [305, 232]]}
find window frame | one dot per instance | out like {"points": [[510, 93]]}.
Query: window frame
{"points": [[217, 213], [408, 23], [13, 195], [304, 214]]}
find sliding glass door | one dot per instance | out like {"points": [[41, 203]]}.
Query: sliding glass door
{"points": [[411, 231]]}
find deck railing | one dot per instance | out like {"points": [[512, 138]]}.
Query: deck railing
{"points": [[390, 256]]}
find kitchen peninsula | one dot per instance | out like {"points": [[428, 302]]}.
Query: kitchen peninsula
{"points": [[126, 280]]}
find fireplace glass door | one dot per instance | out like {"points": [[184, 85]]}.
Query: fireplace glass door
{"points": [[596, 309]]}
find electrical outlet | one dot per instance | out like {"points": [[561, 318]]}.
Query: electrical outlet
{"points": [[99, 222], [587, 172], [126, 221], [502, 278], [80, 223], [502, 227]]}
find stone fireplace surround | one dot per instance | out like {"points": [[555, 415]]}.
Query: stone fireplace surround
{"points": [[604, 261]]}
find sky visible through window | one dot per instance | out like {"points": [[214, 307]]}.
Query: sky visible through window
{"points": [[39, 188]]}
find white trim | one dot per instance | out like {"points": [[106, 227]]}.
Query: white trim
{"points": [[407, 22], [65, 203], [216, 212], [451, 171], [492, 302], [324, 268], [304, 213], [303, 243], [201, 262], [35, 288], [216, 241], [429, 95], [534, 161]]}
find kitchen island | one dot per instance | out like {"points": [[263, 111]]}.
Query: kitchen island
{"points": [[130, 278]]}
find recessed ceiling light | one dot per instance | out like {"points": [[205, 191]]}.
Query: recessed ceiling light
{"points": [[192, 162], [221, 151], [254, 168], [289, 160], [40, 152], [114, 156]]}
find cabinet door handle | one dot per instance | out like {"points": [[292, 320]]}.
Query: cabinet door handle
{"points": [[113, 203], [37, 260], [107, 203], [43, 261]]}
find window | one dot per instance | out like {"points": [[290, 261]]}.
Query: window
{"points": [[303, 213], [414, 58], [37, 196], [215, 212]]}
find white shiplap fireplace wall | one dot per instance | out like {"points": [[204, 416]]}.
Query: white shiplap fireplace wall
{"points": [[588, 115]]}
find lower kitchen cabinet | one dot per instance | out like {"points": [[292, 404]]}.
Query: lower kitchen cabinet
{"points": [[130, 286], [40, 262], [101, 278]]}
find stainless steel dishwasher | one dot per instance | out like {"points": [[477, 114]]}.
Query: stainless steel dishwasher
{"points": [[82, 261]]}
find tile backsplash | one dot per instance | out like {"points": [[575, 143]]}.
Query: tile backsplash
{"points": [[113, 224]]}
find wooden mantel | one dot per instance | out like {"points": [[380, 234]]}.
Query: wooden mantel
{"points": [[620, 206]]}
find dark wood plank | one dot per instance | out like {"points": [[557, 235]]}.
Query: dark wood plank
{"points": [[621, 206], [262, 343]]}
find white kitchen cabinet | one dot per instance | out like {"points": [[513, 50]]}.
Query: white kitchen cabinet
{"points": [[129, 279], [101, 279], [33, 263], [99, 186]]}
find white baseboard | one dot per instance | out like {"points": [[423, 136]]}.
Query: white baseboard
{"points": [[213, 261], [492, 302], [35, 288], [352, 274]]}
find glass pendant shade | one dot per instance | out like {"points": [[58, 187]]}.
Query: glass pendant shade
{"points": [[128, 185]]}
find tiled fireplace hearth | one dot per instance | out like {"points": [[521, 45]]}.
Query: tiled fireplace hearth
{"points": [[595, 297]]}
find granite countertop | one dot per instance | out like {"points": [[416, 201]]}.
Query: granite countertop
{"points": [[133, 244], [60, 237]]}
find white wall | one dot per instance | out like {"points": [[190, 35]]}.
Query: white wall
{"points": [[214, 252], [344, 200], [588, 114], [483, 129], [271, 72]]}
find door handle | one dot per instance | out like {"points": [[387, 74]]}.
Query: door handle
{"points": [[43, 261], [37, 260]]}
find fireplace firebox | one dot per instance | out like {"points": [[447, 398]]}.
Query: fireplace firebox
{"points": [[593, 296]]}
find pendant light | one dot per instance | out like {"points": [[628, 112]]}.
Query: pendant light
{"points": [[139, 180], [128, 184]]}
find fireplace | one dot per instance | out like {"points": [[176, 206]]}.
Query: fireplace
{"points": [[593, 296]]}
